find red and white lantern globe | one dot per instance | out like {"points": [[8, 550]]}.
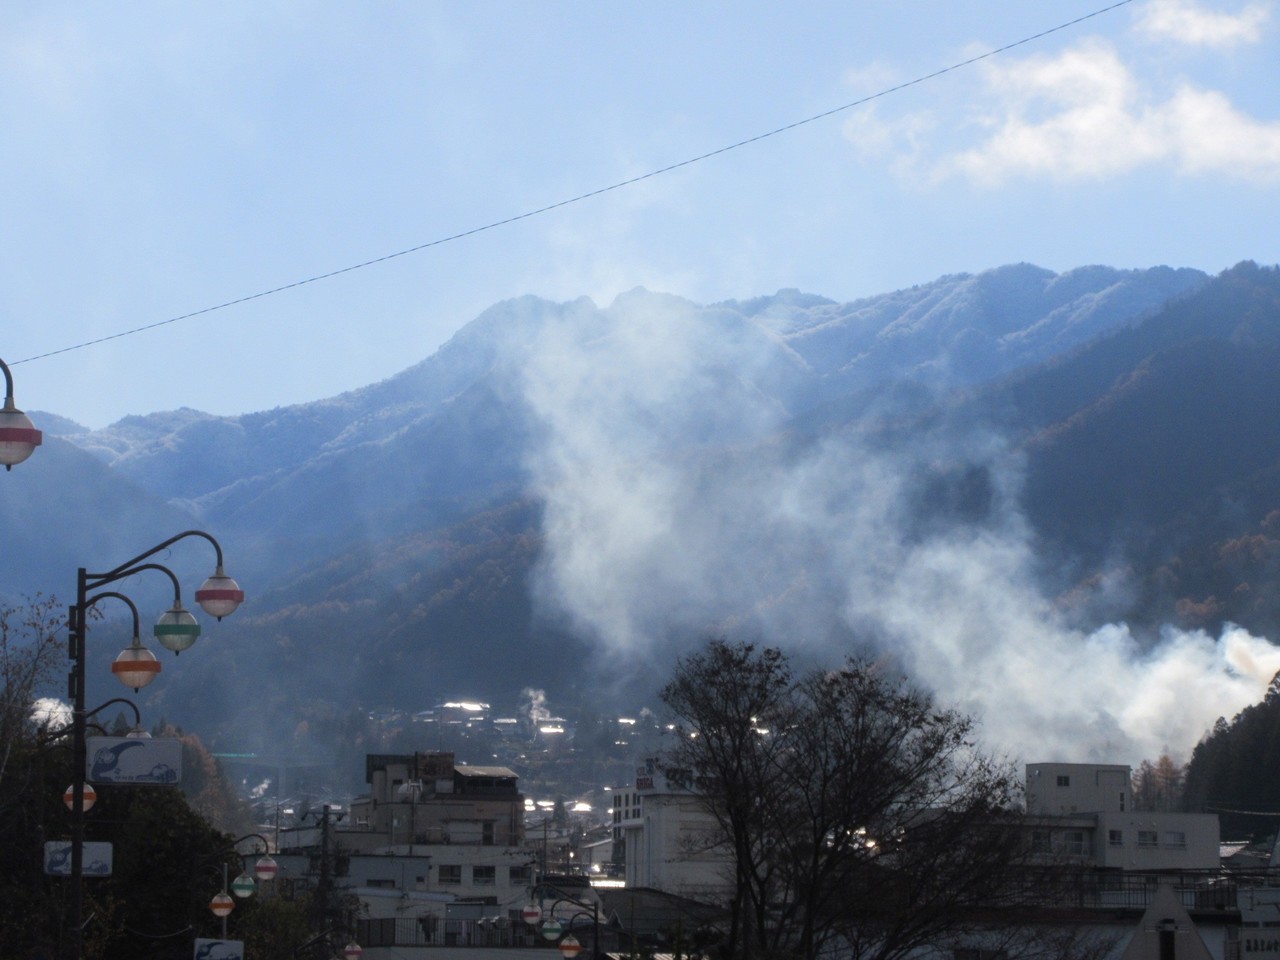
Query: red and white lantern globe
{"points": [[222, 905], [88, 798], [266, 868]]}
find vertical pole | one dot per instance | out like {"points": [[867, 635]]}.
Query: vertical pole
{"points": [[324, 909], [76, 682], [224, 893]]}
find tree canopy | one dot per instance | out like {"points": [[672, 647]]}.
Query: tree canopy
{"points": [[855, 809]]}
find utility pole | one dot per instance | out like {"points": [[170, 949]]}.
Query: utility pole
{"points": [[325, 912]]}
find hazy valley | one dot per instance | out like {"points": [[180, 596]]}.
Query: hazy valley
{"points": [[1051, 498]]}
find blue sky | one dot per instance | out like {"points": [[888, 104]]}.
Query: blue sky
{"points": [[160, 159]]}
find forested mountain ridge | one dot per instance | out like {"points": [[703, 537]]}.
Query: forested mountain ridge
{"points": [[394, 540], [1156, 447]]}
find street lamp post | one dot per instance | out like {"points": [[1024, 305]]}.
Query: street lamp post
{"points": [[265, 869], [222, 904], [18, 435], [136, 666], [551, 929]]}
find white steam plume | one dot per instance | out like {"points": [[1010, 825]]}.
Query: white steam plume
{"points": [[676, 505], [533, 704]]}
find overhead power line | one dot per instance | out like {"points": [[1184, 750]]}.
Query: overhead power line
{"points": [[590, 193]]}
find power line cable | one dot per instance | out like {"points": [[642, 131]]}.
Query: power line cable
{"points": [[590, 193], [1213, 808]]}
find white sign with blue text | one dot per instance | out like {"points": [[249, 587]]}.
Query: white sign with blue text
{"points": [[133, 760], [97, 858], [219, 950]]}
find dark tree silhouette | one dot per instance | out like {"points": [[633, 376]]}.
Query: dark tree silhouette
{"points": [[853, 807]]}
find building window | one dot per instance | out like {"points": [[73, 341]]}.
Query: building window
{"points": [[450, 873], [382, 884], [518, 874], [1040, 841], [1175, 838], [1073, 842], [1115, 838], [1063, 780], [486, 833], [484, 875], [1146, 838]]}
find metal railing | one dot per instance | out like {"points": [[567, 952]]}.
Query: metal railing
{"points": [[445, 932]]}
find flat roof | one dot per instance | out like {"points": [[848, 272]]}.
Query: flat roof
{"points": [[467, 770]]}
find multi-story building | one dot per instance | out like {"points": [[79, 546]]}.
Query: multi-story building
{"points": [[669, 840], [1084, 813], [435, 851], [428, 798], [1095, 867], [1124, 880]]}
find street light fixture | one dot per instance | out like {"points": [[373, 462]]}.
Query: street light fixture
{"points": [[265, 869], [243, 886], [551, 927], [18, 435], [136, 666]]}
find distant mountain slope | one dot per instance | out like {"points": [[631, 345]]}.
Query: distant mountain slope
{"points": [[955, 331], [389, 542], [1157, 447], [63, 509], [964, 329]]}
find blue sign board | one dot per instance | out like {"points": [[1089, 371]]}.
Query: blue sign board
{"points": [[134, 760], [97, 858], [218, 950]]}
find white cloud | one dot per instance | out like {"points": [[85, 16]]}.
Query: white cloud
{"points": [[51, 713], [1083, 115], [1186, 21], [902, 139]]}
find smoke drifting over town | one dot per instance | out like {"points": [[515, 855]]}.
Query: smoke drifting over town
{"points": [[681, 501]]}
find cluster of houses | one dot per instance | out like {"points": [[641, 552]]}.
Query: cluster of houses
{"points": [[439, 853]]}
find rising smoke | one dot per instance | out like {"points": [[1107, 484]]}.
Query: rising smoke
{"points": [[680, 501]]}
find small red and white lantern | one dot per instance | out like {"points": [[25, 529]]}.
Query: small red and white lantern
{"points": [[222, 905], [90, 797], [570, 947], [219, 596], [136, 666], [531, 914], [18, 435], [352, 951], [266, 868]]}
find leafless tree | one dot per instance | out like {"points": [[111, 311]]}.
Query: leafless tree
{"points": [[30, 654], [860, 816]]}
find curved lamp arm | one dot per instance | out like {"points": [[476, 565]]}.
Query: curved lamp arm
{"points": [[219, 595], [123, 570], [137, 714], [117, 596]]}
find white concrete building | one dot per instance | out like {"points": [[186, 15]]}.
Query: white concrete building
{"points": [[669, 840], [436, 853], [1084, 813]]}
